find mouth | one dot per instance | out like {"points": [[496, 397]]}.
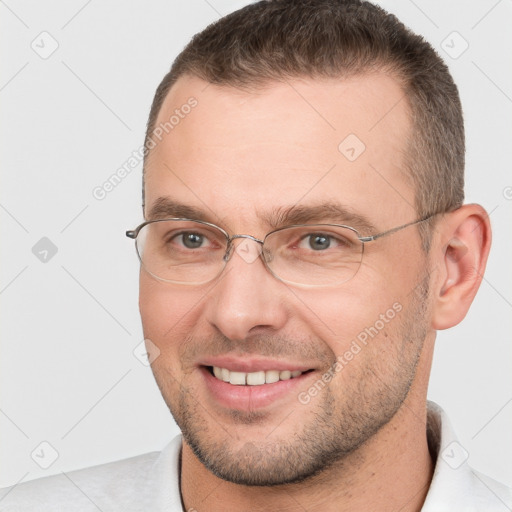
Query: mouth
{"points": [[255, 385], [258, 378]]}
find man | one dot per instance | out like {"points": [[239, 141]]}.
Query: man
{"points": [[304, 239]]}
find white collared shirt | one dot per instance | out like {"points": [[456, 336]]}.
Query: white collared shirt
{"points": [[150, 482]]}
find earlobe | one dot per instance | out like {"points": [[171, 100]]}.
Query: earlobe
{"points": [[462, 248]]}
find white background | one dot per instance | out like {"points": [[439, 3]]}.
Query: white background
{"points": [[69, 325]]}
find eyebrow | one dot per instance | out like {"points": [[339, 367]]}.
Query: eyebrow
{"points": [[329, 212], [323, 213], [165, 208]]}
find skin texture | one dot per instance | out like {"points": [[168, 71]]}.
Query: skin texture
{"points": [[359, 443]]}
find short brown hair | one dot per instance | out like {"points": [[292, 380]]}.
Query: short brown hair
{"points": [[273, 40]]}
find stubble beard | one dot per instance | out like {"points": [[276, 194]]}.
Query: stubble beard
{"points": [[335, 427]]}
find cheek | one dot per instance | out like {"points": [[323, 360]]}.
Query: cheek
{"points": [[369, 355], [167, 314], [340, 316]]}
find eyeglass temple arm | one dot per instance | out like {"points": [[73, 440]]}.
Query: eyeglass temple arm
{"points": [[371, 238]]}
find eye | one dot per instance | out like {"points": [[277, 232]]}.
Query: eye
{"points": [[188, 240], [191, 240], [321, 242], [184, 239], [318, 242]]}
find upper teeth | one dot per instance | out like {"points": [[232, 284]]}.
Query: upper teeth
{"points": [[254, 378]]}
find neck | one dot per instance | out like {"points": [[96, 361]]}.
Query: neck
{"points": [[391, 471]]}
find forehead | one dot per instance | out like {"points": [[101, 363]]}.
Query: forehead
{"points": [[242, 153]]}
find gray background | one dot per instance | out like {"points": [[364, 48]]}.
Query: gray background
{"points": [[70, 322]]}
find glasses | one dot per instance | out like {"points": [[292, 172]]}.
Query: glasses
{"points": [[194, 252]]}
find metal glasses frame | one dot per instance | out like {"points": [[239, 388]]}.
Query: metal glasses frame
{"points": [[229, 238]]}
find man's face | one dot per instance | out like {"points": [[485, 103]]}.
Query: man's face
{"points": [[240, 158]]}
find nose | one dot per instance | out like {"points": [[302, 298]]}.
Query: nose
{"points": [[246, 298]]}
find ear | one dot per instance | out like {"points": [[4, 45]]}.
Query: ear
{"points": [[460, 250]]}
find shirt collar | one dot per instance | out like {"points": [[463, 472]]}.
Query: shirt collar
{"points": [[454, 487]]}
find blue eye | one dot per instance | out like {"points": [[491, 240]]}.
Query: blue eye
{"points": [[319, 242], [192, 240]]}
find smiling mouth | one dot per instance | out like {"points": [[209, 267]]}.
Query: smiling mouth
{"points": [[254, 378]]}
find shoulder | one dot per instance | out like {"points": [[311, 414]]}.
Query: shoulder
{"points": [[455, 484], [125, 485], [85, 489], [490, 494]]}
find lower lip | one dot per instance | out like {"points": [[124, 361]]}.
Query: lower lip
{"points": [[249, 398]]}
